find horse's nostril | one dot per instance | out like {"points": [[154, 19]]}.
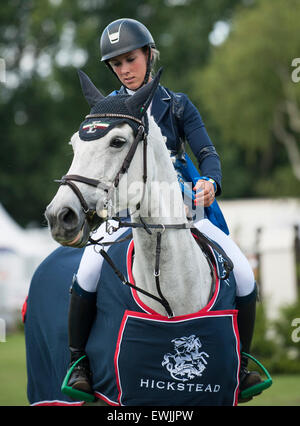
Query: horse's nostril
{"points": [[68, 217]]}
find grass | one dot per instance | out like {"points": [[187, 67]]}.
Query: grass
{"points": [[285, 390], [13, 377]]}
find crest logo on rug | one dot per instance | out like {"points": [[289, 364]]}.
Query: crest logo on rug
{"points": [[187, 361]]}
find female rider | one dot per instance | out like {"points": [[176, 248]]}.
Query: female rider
{"points": [[128, 49]]}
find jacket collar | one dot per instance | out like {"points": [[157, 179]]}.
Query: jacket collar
{"points": [[160, 103]]}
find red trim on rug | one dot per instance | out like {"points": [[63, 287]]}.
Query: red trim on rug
{"points": [[149, 310], [238, 350], [57, 403], [24, 310], [117, 352], [104, 398]]}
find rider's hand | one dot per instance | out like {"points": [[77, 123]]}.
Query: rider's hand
{"points": [[205, 193]]}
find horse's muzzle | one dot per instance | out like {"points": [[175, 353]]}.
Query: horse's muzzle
{"points": [[68, 227]]}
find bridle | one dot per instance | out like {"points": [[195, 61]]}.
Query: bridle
{"points": [[141, 136]]}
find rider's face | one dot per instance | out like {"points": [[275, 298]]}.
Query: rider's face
{"points": [[130, 68]]}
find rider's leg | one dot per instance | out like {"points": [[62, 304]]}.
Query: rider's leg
{"points": [[82, 312], [90, 266], [246, 295], [243, 274], [246, 320]]}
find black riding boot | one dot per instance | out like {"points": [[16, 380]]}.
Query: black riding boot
{"points": [[82, 313], [246, 321]]}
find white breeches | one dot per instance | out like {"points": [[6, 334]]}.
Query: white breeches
{"points": [[91, 262], [242, 270]]}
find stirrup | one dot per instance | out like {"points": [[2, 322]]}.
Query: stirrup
{"points": [[75, 393], [259, 387]]}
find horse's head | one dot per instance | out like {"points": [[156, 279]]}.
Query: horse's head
{"points": [[104, 150]]}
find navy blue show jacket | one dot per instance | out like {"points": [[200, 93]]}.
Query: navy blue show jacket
{"points": [[179, 120]]}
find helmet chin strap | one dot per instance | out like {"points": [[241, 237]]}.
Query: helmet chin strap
{"points": [[148, 68], [147, 75]]}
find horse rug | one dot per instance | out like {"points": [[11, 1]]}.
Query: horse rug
{"points": [[139, 357]]}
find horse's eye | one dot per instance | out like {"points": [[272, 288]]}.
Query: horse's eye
{"points": [[117, 142]]}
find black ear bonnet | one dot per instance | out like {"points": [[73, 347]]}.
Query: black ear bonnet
{"points": [[134, 106], [95, 128]]}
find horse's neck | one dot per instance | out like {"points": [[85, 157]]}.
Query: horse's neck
{"points": [[184, 272], [185, 278]]}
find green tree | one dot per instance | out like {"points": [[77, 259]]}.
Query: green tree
{"points": [[251, 98], [41, 106]]}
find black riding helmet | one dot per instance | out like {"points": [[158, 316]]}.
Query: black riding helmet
{"points": [[123, 36]]}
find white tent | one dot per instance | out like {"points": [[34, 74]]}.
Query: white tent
{"points": [[265, 229], [31, 242], [21, 251], [12, 236]]}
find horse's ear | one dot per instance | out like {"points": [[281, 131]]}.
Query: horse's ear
{"points": [[140, 101], [89, 90]]}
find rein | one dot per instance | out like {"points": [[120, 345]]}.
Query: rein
{"points": [[156, 272], [204, 242], [68, 180], [121, 276]]}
